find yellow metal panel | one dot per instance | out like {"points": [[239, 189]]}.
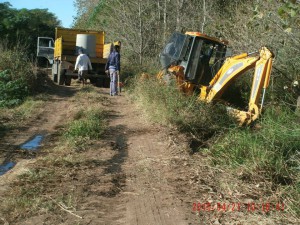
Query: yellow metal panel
{"points": [[222, 41], [58, 47], [106, 50], [67, 41]]}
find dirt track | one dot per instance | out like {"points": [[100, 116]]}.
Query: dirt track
{"points": [[132, 185], [139, 173]]}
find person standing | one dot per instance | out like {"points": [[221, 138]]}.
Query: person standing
{"points": [[113, 67], [83, 64]]}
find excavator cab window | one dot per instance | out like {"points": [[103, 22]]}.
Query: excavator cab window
{"points": [[205, 57], [172, 52]]}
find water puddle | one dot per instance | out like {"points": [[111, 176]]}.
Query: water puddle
{"points": [[33, 144], [6, 167]]}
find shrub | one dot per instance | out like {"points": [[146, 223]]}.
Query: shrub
{"points": [[12, 92], [17, 76]]}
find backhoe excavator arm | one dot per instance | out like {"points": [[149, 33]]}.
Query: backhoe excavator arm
{"points": [[235, 67]]}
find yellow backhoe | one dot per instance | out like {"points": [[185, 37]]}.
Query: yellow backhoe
{"points": [[199, 62]]}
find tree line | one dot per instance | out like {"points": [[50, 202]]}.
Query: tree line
{"points": [[22, 27], [145, 25]]}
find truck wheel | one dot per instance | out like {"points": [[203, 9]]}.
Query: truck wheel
{"points": [[93, 80], [54, 75], [61, 75], [99, 82], [68, 81], [106, 82]]}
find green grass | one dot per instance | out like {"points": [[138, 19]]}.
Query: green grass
{"points": [[167, 106], [268, 151], [88, 124], [273, 148]]}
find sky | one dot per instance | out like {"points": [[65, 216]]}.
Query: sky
{"points": [[63, 9]]}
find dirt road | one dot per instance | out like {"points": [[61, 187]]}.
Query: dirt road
{"points": [[129, 184], [138, 173]]}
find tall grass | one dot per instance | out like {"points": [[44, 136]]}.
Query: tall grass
{"points": [[273, 149], [270, 150], [166, 105], [17, 76]]}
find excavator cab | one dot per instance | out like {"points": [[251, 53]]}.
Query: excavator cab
{"points": [[201, 56]]}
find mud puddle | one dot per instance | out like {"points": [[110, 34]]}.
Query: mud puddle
{"points": [[33, 144], [5, 167]]}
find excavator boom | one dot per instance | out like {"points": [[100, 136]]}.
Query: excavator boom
{"points": [[235, 67]]}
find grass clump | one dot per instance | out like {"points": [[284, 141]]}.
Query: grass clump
{"points": [[87, 125], [166, 105]]}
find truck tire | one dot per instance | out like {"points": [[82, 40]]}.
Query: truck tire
{"points": [[68, 80], [106, 82], [61, 75], [54, 75], [99, 82], [93, 80]]}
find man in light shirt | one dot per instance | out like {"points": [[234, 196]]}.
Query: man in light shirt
{"points": [[83, 64]]}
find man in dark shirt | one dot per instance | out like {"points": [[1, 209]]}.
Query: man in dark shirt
{"points": [[113, 67]]}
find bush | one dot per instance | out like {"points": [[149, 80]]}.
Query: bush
{"points": [[17, 76], [12, 92]]}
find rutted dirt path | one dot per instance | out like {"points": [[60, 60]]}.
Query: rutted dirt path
{"points": [[128, 180], [137, 174], [44, 122], [150, 199]]}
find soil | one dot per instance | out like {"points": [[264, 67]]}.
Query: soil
{"points": [[139, 173]]}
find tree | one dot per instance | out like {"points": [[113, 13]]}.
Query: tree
{"points": [[24, 26]]}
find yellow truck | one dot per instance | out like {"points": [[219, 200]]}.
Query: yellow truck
{"points": [[62, 54]]}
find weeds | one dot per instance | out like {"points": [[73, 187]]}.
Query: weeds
{"points": [[88, 124], [274, 148], [167, 106], [17, 76], [268, 151]]}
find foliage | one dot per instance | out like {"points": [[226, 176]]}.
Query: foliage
{"points": [[12, 92], [24, 26], [17, 76]]}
